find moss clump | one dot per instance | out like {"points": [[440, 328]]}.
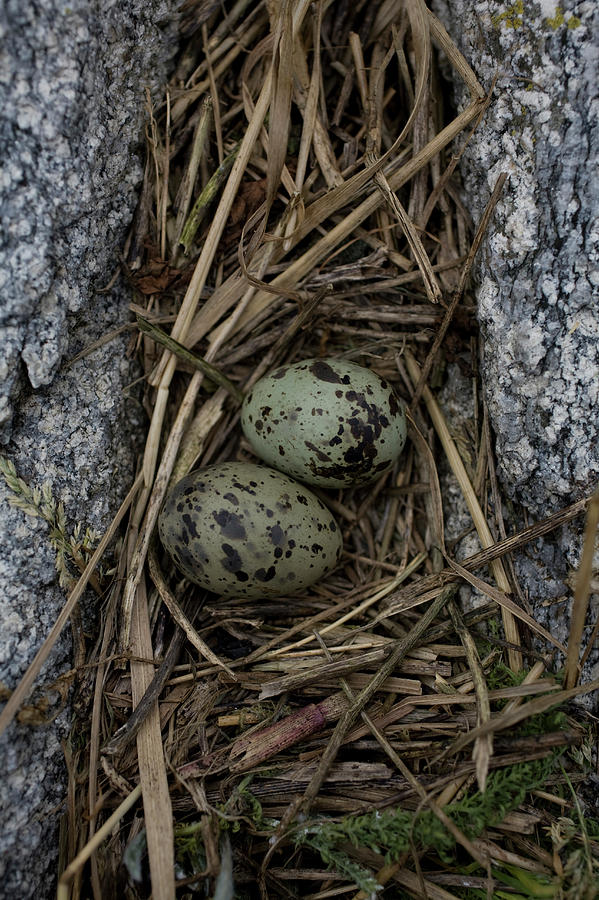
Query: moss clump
{"points": [[391, 832], [559, 19], [512, 17]]}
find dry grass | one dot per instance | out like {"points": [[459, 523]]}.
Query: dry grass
{"points": [[303, 146]]}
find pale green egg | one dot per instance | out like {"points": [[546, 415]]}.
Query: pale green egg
{"points": [[243, 530], [327, 422]]}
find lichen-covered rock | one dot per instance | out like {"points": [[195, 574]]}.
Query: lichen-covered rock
{"points": [[77, 436], [72, 81], [538, 271]]}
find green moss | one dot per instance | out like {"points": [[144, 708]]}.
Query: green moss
{"points": [[557, 19], [392, 832], [189, 847], [512, 17]]}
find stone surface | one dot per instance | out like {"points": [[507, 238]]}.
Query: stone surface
{"points": [[538, 271], [72, 111], [544, 568], [72, 79], [76, 436]]}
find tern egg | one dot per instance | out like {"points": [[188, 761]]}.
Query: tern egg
{"points": [[327, 422], [243, 530]]}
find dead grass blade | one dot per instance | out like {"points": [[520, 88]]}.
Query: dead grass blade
{"points": [[198, 280], [185, 192], [339, 233], [515, 541], [465, 71], [153, 779], [101, 835], [306, 98], [486, 539], [280, 105], [160, 486], [194, 440], [433, 291], [254, 749], [434, 485], [581, 592], [506, 603], [164, 199], [202, 205], [180, 618], [216, 377], [358, 610], [483, 746]]}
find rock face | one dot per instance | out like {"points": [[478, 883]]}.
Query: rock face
{"points": [[72, 81], [538, 273], [72, 112]]}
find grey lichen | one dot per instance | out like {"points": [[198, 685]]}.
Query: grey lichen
{"points": [[538, 273]]}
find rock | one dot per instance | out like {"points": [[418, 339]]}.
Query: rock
{"points": [[72, 112], [76, 436], [538, 271], [537, 274], [544, 569], [72, 108]]}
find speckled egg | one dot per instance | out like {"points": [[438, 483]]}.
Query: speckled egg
{"points": [[326, 422], [243, 530]]}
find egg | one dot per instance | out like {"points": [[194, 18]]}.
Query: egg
{"points": [[327, 422], [243, 530]]}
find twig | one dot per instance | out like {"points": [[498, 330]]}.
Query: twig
{"points": [[511, 718], [400, 650], [161, 337], [515, 541], [121, 739], [582, 592]]}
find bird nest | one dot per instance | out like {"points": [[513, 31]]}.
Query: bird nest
{"points": [[366, 735]]}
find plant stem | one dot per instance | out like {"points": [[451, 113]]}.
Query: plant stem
{"points": [[161, 337]]}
